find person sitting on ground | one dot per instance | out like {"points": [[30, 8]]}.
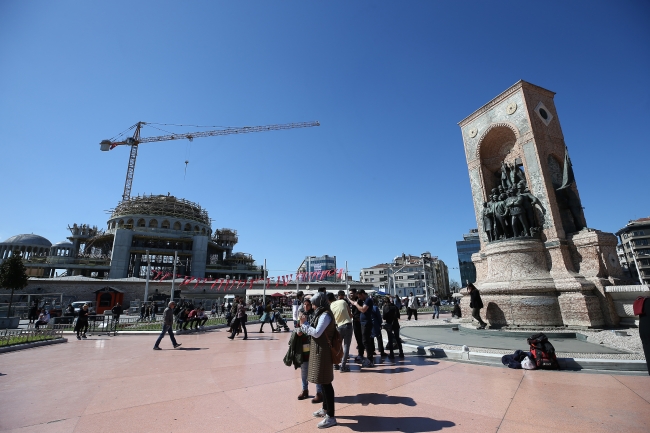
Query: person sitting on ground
{"points": [[191, 318], [43, 319], [456, 311], [181, 323], [201, 318], [213, 312]]}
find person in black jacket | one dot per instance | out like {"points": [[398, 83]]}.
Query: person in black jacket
{"points": [[82, 322], [391, 317], [475, 303]]}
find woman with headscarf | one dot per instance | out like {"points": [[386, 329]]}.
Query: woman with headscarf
{"points": [[320, 355]]}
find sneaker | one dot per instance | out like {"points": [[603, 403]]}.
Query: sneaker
{"points": [[366, 363], [328, 421], [337, 367], [320, 413], [83, 336], [176, 346], [345, 369], [78, 337], [156, 348], [358, 359]]}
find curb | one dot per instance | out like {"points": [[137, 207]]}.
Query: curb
{"points": [[34, 344], [566, 364]]}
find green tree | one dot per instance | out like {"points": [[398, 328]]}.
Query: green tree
{"points": [[13, 276]]}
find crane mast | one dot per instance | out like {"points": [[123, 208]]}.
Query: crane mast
{"points": [[135, 140]]}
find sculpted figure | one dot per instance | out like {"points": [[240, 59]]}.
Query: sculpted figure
{"points": [[488, 220], [505, 176], [515, 205], [501, 216], [529, 201]]}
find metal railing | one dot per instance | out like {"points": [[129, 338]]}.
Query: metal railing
{"points": [[9, 337]]}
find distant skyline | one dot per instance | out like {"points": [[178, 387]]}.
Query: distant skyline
{"points": [[384, 174]]}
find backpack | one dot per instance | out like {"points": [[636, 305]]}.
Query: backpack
{"points": [[543, 352]]}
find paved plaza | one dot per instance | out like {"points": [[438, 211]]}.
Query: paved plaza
{"points": [[119, 384]]}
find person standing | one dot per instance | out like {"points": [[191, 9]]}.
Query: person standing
{"points": [[391, 317], [154, 311], [307, 311], [295, 307], [82, 322], [117, 311], [364, 304], [475, 303], [343, 317], [320, 356], [240, 320], [412, 307], [436, 307], [356, 325], [376, 330], [33, 313], [143, 310], [168, 322]]}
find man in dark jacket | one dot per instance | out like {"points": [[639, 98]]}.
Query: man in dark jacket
{"points": [[117, 311], [168, 321], [391, 316], [475, 303]]}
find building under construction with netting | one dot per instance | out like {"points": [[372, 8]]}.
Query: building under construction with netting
{"points": [[165, 226]]}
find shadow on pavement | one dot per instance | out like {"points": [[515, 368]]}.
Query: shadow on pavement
{"points": [[193, 348], [375, 398], [386, 370], [409, 424]]}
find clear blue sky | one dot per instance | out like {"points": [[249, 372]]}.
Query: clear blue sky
{"points": [[385, 173]]}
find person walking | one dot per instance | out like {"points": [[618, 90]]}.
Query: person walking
{"points": [[82, 322], [168, 322], [436, 307], [391, 317], [266, 317], [364, 304], [320, 356], [343, 316], [475, 303], [240, 320], [412, 307]]}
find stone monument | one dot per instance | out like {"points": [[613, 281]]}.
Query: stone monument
{"points": [[539, 264]]}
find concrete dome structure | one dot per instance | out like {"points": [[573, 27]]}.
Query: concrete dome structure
{"points": [[28, 244]]}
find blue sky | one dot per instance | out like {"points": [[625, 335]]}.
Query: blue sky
{"points": [[385, 173]]}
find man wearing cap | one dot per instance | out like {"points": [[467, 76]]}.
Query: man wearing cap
{"points": [[168, 321]]}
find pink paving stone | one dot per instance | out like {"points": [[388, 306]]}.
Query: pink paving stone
{"points": [[121, 385]]}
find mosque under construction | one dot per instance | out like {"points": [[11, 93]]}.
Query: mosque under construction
{"points": [[163, 225]]}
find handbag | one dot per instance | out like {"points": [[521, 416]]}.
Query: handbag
{"points": [[244, 318]]}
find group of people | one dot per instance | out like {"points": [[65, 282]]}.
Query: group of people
{"points": [[316, 321], [189, 316], [148, 311]]}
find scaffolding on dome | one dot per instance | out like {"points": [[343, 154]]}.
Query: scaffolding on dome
{"points": [[164, 205]]}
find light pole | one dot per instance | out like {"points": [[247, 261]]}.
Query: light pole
{"points": [[146, 285], [390, 268]]}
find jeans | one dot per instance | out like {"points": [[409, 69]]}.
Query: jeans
{"points": [[436, 312], [346, 335], [304, 369], [394, 341], [358, 337], [328, 399], [166, 329], [476, 313], [368, 341]]}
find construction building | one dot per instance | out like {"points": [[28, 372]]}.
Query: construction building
{"points": [[163, 225]]}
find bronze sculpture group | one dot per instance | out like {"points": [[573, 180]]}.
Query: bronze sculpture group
{"points": [[509, 213]]}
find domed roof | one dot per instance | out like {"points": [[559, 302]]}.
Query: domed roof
{"points": [[63, 244], [30, 239], [161, 205]]}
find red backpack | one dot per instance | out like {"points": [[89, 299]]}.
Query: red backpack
{"points": [[543, 352]]}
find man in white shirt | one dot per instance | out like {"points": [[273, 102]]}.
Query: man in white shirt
{"points": [[412, 307]]}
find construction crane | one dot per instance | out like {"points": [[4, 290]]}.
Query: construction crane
{"points": [[135, 140]]}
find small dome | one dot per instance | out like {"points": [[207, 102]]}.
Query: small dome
{"points": [[63, 244], [31, 239]]}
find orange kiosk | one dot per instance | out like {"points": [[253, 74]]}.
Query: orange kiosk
{"points": [[107, 297]]}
